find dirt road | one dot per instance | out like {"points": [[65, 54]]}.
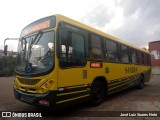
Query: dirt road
{"points": [[147, 99]]}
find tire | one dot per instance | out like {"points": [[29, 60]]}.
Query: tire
{"points": [[141, 83], [97, 93]]}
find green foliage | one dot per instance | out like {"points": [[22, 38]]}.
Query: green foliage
{"points": [[6, 72], [7, 66]]}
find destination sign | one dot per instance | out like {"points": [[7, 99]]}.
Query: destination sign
{"points": [[42, 24]]}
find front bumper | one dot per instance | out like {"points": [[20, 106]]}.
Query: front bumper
{"points": [[34, 99]]}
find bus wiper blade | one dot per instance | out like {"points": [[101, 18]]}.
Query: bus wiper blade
{"points": [[35, 40]]}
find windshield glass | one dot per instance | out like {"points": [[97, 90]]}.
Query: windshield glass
{"points": [[36, 53]]}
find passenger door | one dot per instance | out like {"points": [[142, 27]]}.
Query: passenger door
{"points": [[72, 58]]}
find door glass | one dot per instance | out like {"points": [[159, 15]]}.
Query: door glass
{"points": [[72, 49]]}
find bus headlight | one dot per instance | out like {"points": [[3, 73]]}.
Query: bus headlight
{"points": [[46, 86]]}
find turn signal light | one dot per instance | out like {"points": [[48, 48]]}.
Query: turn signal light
{"points": [[50, 81]]}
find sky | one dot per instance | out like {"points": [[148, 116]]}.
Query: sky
{"points": [[134, 21]]}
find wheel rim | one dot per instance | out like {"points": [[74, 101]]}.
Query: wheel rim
{"points": [[97, 93]]}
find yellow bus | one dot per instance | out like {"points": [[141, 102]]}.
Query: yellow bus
{"points": [[61, 62]]}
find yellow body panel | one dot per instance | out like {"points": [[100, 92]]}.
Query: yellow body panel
{"points": [[74, 76]]}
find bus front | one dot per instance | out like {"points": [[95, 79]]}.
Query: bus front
{"points": [[35, 80]]}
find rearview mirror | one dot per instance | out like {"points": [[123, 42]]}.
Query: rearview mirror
{"points": [[6, 46]]}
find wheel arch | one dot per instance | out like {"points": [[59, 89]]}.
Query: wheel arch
{"points": [[143, 76], [103, 80]]}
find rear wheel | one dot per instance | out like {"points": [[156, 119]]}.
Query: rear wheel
{"points": [[97, 93], [141, 82]]}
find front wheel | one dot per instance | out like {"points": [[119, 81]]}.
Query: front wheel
{"points": [[97, 93], [141, 83]]}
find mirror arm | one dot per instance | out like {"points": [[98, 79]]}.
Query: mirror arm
{"points": [[6, 46]]}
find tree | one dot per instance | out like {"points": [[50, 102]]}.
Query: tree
{"points": [[7, 66]]}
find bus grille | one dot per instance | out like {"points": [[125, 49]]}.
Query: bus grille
{"points": [[28, 81]]}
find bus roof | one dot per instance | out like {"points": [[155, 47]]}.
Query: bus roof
{"points": [[88, 28]]}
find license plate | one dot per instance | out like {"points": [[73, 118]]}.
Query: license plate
{"points": [[27, 98]]}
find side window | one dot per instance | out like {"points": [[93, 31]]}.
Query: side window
{"points": [[133, 56], [111, 51], [145, 59], [77, 46], [64, 38], [124, 54], [72, 49], [148, 60], [140, 57], [95, 47]]}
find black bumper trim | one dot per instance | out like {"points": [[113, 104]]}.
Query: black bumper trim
{"points": [[33, 99]]}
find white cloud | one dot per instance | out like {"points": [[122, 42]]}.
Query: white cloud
{"points": [[117, 20]]}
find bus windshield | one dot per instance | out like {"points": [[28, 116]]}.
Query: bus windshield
{"points": [[35, 54]]}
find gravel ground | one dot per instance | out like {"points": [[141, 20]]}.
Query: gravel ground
{"points": [[147, 99]]}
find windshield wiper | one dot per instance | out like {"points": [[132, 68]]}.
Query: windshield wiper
{"points": [[35, 40]]}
